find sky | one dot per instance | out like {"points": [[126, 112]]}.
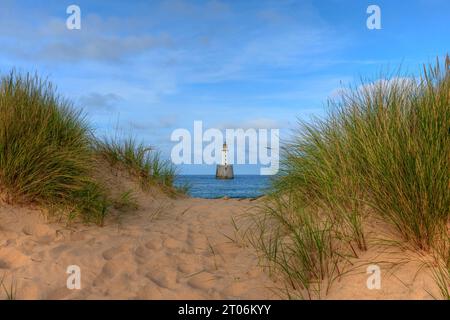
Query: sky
{"points": [[146, 68]]}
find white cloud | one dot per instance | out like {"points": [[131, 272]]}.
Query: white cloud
{"points": [[407, 83]]}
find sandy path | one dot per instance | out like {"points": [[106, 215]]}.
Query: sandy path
{"points": [[172, 249]]}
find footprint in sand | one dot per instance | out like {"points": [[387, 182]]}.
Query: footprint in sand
{"points": [[110, 270], [154, 244], [189, 268], [173, 244], [142, 252], [112, 252], [43, 233], [203, 281], [4, 264], [37, 230], [166, 279], [11, 258], [142, 255], [58, 250]]}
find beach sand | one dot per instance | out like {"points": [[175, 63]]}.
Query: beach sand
{"points": [[168, 249]]}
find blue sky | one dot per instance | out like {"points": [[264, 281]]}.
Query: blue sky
{"points": [[146, 68]]}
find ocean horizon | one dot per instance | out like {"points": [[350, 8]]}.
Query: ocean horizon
{"points": [[208, 187]]}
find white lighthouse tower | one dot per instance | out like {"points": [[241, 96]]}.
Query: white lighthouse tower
{"points": [[224, 170], [224, 154]]}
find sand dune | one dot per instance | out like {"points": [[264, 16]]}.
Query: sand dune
{"points": [[172, 249], [168, 249]]}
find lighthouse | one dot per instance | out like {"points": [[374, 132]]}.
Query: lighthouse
{"points": [[224, 170], [224, 154]]}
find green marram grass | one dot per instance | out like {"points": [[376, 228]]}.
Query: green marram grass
{"points": [[383, 149], [45, 148], [139, 160], [47, 152]]}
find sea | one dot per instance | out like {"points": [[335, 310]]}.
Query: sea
{"points": [[208, 187]]}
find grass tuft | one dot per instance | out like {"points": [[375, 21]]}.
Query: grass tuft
{"points": [[383, 149], [45, 148], [9, 290], [126, 201], [47, 152], [140, 161]]}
